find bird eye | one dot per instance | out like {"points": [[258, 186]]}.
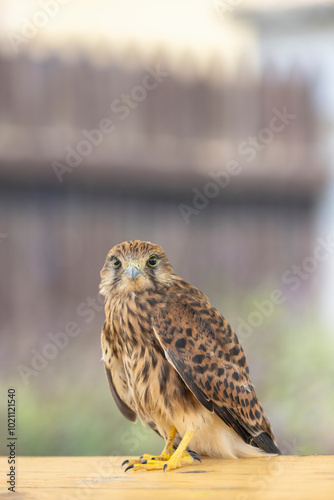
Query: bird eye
{"points": [[116, 262], [152, 261]]}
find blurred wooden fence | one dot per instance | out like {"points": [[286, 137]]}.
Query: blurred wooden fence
{"points": [[59, 234], [193, 123]]}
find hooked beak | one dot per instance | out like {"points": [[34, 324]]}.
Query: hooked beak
{"points": [[133, 271]]}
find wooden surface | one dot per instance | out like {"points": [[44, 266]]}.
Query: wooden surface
{"points": [[76, 478]]}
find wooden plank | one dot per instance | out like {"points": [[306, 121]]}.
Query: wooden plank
{"points": [[288, 477]]}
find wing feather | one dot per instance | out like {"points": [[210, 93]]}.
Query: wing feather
{"points": [[180, 367], [123, 408], [202, 347]]}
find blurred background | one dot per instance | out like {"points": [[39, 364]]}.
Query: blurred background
{"points": [[206, 127]]}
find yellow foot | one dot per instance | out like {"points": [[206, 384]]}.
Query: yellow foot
{"points": [[155, 457], [144, 459], [162, 462]]}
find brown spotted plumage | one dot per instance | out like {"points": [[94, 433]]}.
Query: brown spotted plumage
{"points": [[173, 360]]}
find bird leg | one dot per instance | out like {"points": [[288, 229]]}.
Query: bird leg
{"points": [[167, 452], [181, 456], [164, 455]]}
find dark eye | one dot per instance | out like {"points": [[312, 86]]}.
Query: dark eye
{"points": [[152, 261], [115, 262]]}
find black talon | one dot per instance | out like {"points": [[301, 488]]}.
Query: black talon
{"points": [[125, 462], [141, 456], [165, 467], [130, 467], [194, 455], [143, 462]]}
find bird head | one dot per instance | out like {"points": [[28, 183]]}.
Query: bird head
{"points": [[135, 266]]}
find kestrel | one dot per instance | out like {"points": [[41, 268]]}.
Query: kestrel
{"points": [[174, 361]]}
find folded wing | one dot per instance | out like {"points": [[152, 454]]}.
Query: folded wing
{"points": [[204, 350]]}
